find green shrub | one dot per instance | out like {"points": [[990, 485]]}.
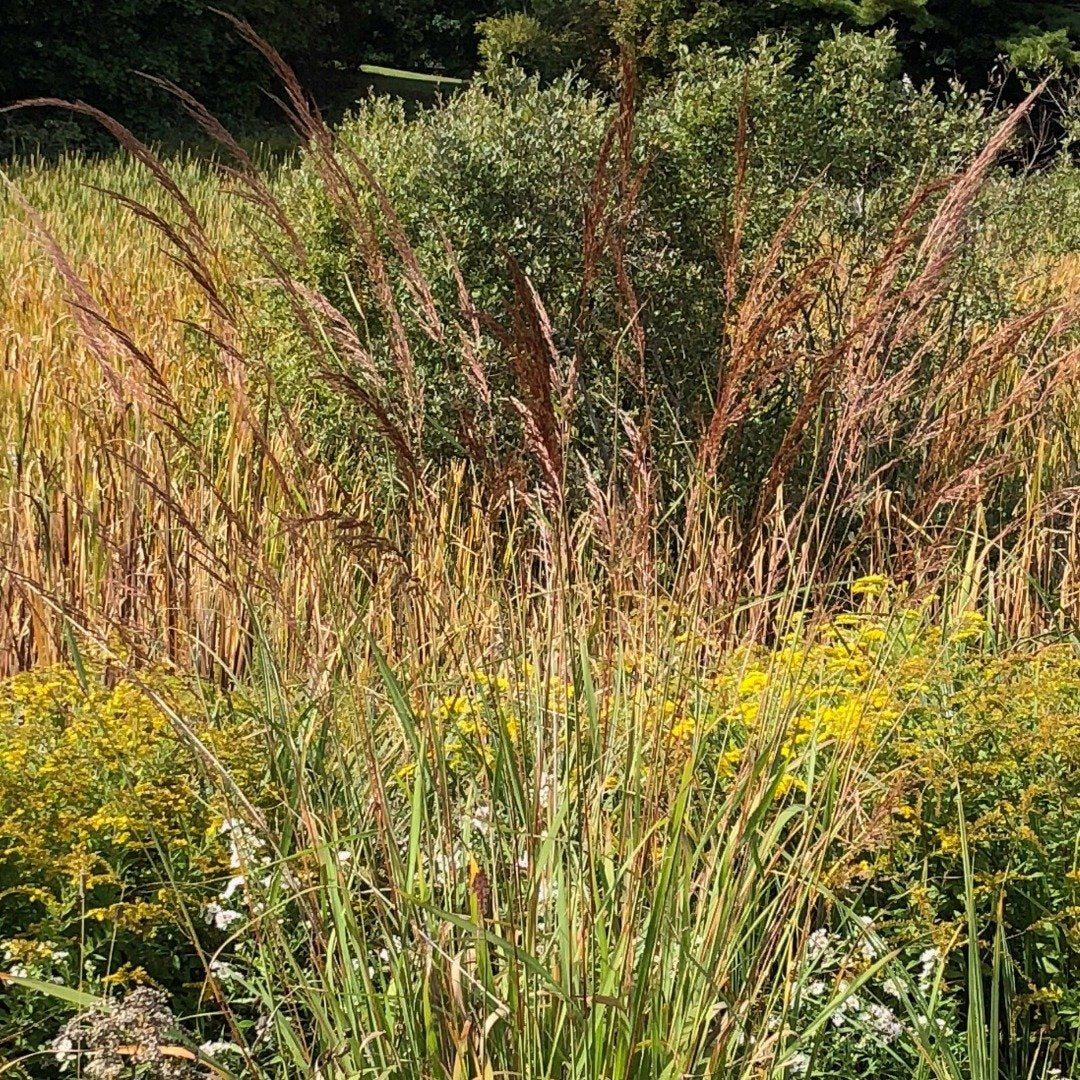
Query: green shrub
{"points": [[506, 169], [499, 170]]}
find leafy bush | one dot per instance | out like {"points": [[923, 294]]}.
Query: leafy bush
{"points": [[509, 168], [851, 123], [500, 170]]}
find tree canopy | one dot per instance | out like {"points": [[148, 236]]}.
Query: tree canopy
{"points": [[939, 37], [90, 49]]}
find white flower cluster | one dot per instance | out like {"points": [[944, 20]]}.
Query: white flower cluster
{"points": [[224, 972], [214, 1050], [819, 944], [928, 962], [862, 1021], [383, 956], [868, 944], [45, 955], [245, 853], [881, 1020], [874, 1019], [871, 1017], [798, 1063], [221, 917], [480, 819]]}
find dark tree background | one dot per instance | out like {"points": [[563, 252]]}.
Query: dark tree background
{"points": [[940, 38], [965, 36], [90, 49]]}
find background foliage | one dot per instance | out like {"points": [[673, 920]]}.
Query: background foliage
{"points": [[940, 38], [90, 51], [81, 50]]}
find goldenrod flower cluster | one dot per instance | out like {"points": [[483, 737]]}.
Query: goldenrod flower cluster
{"points": [[100, 804]]}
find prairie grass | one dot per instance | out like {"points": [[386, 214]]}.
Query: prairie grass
{"points": [[155, 466], [522, 812]]}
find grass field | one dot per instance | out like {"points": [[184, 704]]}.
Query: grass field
{"points": [[331, 757]]}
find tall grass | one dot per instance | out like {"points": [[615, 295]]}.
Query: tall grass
{"points": [[591, 918], [574, 895], [156, 471]]}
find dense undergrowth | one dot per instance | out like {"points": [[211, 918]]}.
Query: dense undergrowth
{"points": [[547, 587]]}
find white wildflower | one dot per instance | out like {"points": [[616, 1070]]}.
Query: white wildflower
{"points": [[244, 844], [233, 884], [63, 1048], [213, 1049], [481, 819], [882, 1021], [223, 971], [818, 943], [928, 961], [924, 1022], [219, 916], [385, 954], [547, 786], [868, 945], [122, 1038], [448, 867], [849, 1004]]}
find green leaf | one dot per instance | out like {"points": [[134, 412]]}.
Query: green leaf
{"points": [[63, 993]]}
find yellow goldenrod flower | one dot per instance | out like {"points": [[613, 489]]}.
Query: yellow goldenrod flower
{"points": [[870, 585]]}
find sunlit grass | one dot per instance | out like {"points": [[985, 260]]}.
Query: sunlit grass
{"points": [[480, 775]]}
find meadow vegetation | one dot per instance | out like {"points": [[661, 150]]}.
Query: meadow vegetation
{"points": [[562, 584]]}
